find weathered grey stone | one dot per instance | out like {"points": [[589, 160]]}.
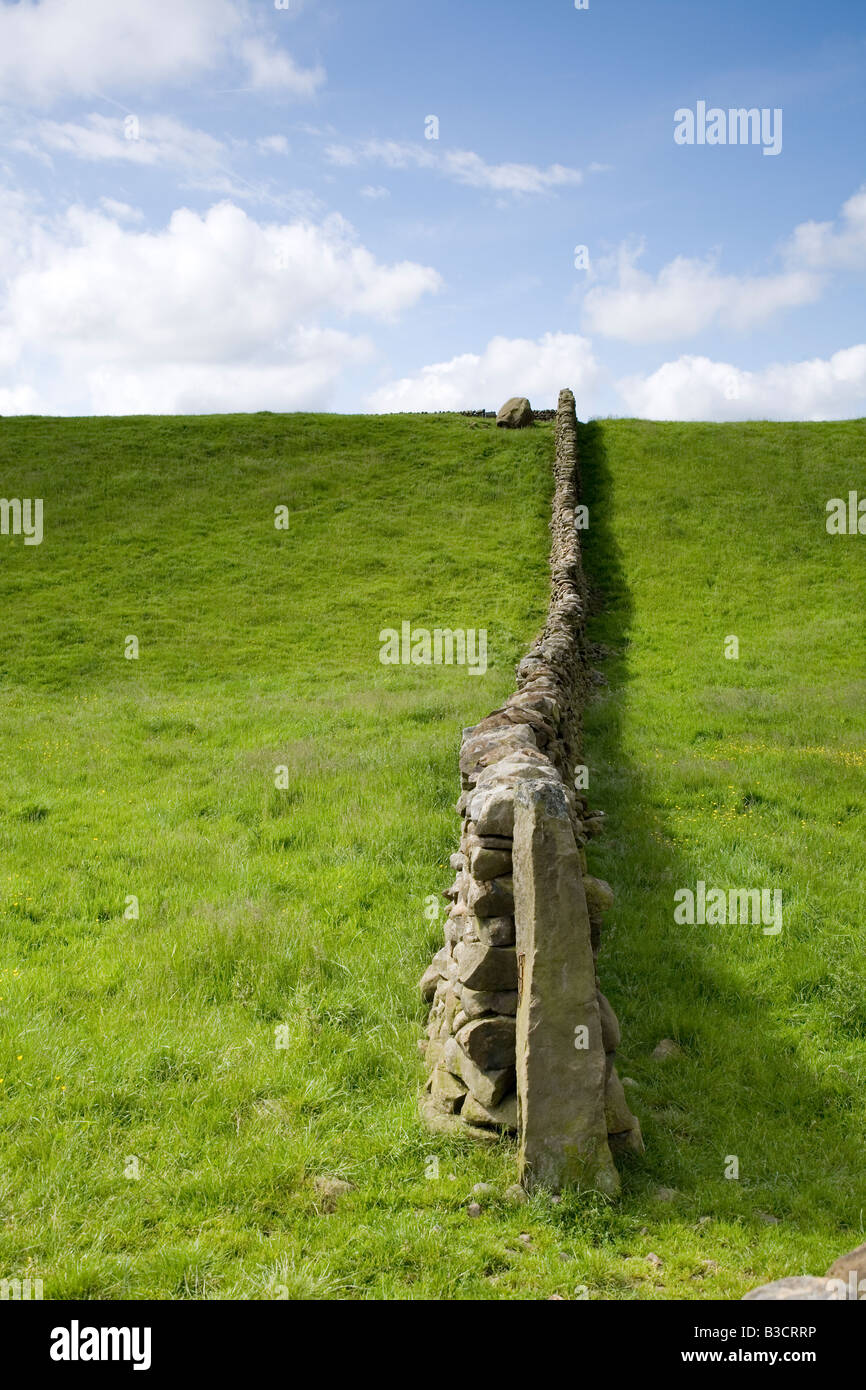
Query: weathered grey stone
{"points": [[489, 1042], [492, 811], [486, 864], [515, 414], [441, 1123], [493, 899], [428, 982], [489, 968], [630, 1141], [496, 931], [452, 1004], [610, 1032], [434, 1052], [516, 1195], [599, 895], [487, 1087], [618, 1118], [435, 972], [561, 1088], [446, 1090], [503, 1115], [491, 808], [484, 1191], [453, 930], [665, 1049], [479, 1001], [479, 750], [526, 764], [855, 1260], [803, 1287], [465, 926]]}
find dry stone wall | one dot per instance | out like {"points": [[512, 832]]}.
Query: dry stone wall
{"points": [[526, 753], [491, 414]]}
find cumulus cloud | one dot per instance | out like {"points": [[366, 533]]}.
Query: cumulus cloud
{"points": [[19, 400], [462, 166], [688, 296], [55, 49], [307, 364], [60, 48], [507, 366], [828, 246], [696, 388], [275, 69], [196, 313]]}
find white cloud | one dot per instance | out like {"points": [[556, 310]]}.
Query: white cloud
{"points": [[374, 191], [121, 212], [306, 368], [55, 49], [137, 140], [507, 367], [273, 144], [150, 140], [688, 296], [60, 48], [696, 388], [194, 314], [820, 246], [463, 166], [274, 68]]}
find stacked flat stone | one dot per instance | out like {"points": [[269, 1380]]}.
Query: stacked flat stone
{"points": [[472, 983]]}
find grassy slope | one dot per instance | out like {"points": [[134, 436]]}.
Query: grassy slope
{"points": [[745, 773], [155, 1038]]}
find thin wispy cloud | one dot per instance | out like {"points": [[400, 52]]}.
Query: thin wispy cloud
{"points": [[462, 166]]}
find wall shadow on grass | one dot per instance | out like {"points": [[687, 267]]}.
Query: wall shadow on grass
{"points": [[740, 1087]]}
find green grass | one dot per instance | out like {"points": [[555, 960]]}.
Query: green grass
{"points": [[302, 910], [742, 773]]}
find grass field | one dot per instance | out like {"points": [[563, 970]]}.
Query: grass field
{"points": [[297, 916]]}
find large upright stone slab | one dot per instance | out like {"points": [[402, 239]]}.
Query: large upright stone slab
{"points": [[560, 1050]]}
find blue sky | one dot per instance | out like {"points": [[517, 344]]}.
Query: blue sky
{"points": [[225, 205]]}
